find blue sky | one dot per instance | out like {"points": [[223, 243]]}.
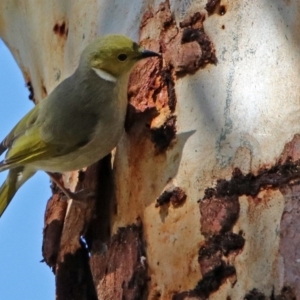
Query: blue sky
{"points": [[22, 275]]}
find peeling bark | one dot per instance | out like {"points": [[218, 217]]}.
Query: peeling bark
{"points": [[175, 195], [120, 267], [54, 221], [67, 249], [185, 50], [286, 294]]}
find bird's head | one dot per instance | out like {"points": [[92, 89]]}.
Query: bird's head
{"points": [[114, 55]]}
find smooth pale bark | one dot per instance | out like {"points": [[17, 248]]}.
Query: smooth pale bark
{"points": [[236, 115]]}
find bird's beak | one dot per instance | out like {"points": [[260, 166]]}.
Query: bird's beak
{"points": [[148, 53]]}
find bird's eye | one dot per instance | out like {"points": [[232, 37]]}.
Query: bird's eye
{"points": [[122, 57]]}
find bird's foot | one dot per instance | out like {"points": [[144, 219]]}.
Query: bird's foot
{"points": [[78, 196]]}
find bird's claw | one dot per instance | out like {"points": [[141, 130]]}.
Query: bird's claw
{"points": [[81, 195]]}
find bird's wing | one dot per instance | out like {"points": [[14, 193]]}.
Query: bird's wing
{"points": [[25, 123], [24, 144], [29, 147]]}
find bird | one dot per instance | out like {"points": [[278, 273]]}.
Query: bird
{"points": [[79, 122]]}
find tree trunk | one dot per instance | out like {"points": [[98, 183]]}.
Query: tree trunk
{"points": [[200, 198]]}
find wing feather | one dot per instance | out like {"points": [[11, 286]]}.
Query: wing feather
{"points": [[29, 147], [25, 145], [25, 123]]}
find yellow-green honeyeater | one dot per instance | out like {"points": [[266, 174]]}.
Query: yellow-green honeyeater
{"points": [[80, 122]]}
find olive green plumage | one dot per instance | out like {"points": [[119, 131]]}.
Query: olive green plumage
{"points": [[80, 122]]}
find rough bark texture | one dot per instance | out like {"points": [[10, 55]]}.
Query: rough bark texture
{"points": [[200, 200]]}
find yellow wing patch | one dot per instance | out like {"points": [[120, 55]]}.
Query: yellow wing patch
{"points": [[27, 121], [28, 147]]}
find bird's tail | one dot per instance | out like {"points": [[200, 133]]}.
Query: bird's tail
{"points": [[6, 194], [16, 177]]}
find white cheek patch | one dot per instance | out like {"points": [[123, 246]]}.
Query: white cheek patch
{"points": [[105, 75]]}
